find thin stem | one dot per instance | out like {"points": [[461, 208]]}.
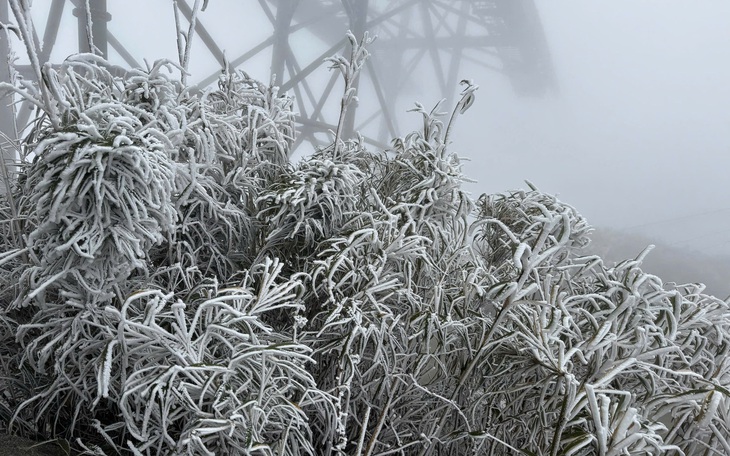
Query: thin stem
{"points": [[21, 11], [363, 431], [467, 99], [89, 33], [379, 425], [350, 70], [178, 33], [189, 40], [340, 125]]}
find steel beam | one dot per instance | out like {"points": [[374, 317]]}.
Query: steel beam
{"points": [[51, 32], [282, 28]]}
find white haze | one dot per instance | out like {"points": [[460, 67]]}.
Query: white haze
{"points": [[638, 135]]}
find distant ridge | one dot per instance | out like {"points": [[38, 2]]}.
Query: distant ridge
{"points": [[670, 263]]}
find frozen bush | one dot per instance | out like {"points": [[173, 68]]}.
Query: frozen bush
{"points": [[99, 188], [207, 376], [171, 284]]}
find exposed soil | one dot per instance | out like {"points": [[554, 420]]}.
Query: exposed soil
{"points": [[17, 446]]}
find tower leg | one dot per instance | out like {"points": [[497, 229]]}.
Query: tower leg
{"points": [[280, 52]]}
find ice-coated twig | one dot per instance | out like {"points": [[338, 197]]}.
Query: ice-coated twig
{"points": [[21, 11], [350, 70]]}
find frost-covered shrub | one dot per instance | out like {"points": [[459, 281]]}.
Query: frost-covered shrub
{"points": [[235, 142], [246, 115], [388, 318], [99, 188], [126, 190], [97, 195], [609, 359], [187, 290], [207, 376], [518, 218], [308, 205]]}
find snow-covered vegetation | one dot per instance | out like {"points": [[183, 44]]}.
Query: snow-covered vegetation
{"points": [[171, 284]]}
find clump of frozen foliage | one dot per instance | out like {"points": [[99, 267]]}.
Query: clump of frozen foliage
{"points": [[171, 284]]}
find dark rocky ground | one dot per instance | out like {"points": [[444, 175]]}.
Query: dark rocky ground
{"points": [[16, 446]]}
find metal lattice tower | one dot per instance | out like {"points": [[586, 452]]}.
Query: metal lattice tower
{"points": [[419, 42]]}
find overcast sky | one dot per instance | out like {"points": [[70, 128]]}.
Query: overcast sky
{"points": [[637, 136], [639, 132]]}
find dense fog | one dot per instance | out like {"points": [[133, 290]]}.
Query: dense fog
{"points": [[637, 135]]}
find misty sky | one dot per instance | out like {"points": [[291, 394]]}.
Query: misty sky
{"points": [[639, 132], [637, 136]]}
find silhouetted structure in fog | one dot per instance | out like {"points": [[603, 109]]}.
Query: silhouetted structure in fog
{"points": [[419, 41]]}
